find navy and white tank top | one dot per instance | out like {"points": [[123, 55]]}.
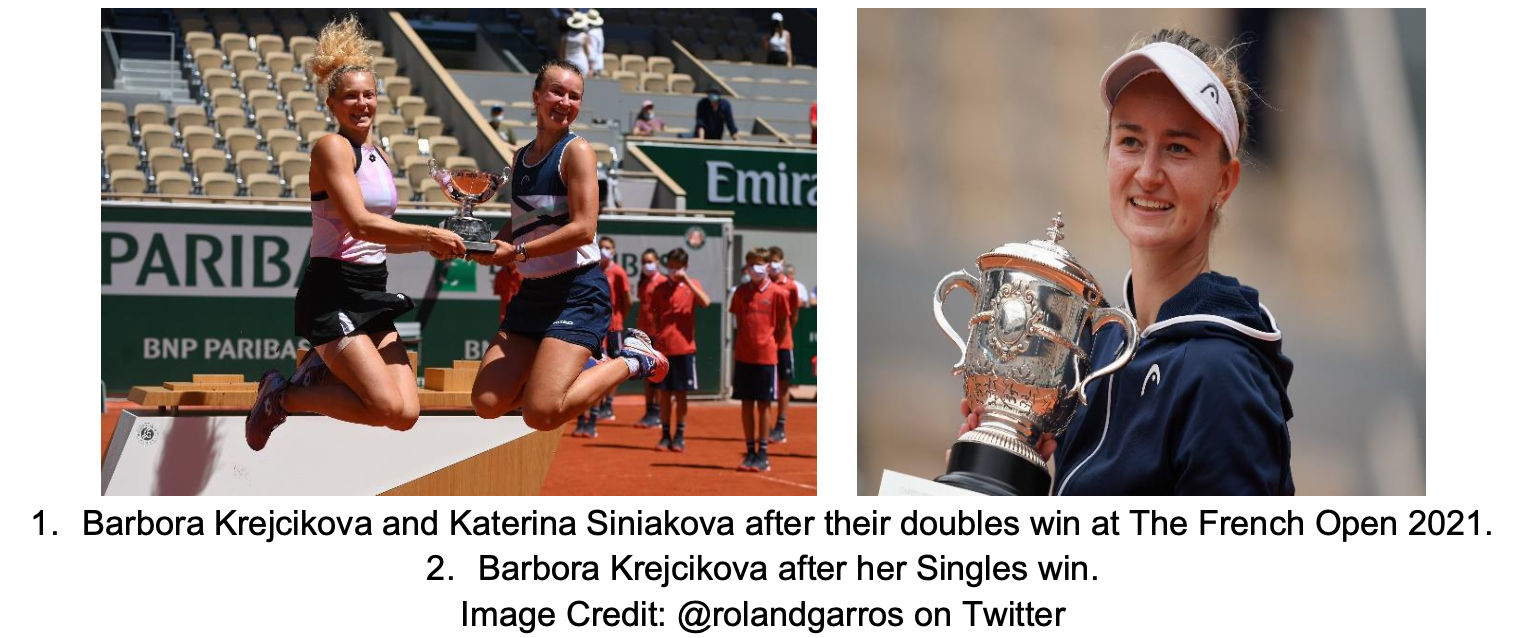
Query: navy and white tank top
{"points": [[540, 205]]}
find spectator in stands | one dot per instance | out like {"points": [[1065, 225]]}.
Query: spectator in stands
{"points": [[597, 40], [714, 114], [575, 43], [564, 309], [802, 290], [813, 119], [498, 122], [647, 124], [777, 43], [342, 307]]}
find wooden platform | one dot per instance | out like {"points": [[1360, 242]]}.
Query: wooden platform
{"points": [[443, 389]]}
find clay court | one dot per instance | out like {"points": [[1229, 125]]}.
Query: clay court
{"points": [[622, 460]]}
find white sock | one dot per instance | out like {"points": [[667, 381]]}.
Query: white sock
{"points": [[633, 366]]}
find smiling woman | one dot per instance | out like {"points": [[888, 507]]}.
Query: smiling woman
{"points": [[1202, 408]]}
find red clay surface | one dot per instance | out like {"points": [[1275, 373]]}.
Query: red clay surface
{"points": [[622, 460]]}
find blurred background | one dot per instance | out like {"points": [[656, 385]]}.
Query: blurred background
{"points": [[978, 125]]}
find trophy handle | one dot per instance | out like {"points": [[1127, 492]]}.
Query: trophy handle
{"points": [[1103, 317], [957, 279]]}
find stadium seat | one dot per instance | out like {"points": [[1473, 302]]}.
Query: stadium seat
{"points": [[114, 134], [384, 67], [113, 112], [233, 42], [162, 160], [129, 182], [302, 45], [411, 107], [263, 100], [282, 141], [173, 182], [217, 78], [428, 126], [293, 29], [251, 162], [252, 80], [294, 163], [771, 81], [196, 24], [652, 82], [264, 185], [149, 113], [207, 60], [485, 105], [661, 64], [384, 105], [610, 62], [418, 170], [703, 52], [403, 190], [389, 126], [740, 79], [122, 157], [267, 44], [376, 48], [398, 86], [197, 40], [155, 136], [218, 184], [187, 115], [629, 80], [280, 62], [603, 153], [682, 83], [308, 121], [229, 118], [299, 101], [270, 120], [432, 193], [402, 147], [731, 53], [443, 147], [241, 61], [461, 161], [641, 47], [313, 136], [226, 99], [207, 161], [633, 63], [300, 187], [290, 82], [799, 82], [198, 137]]}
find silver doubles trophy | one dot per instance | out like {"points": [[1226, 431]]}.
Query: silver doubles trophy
{"points": [[468, 188], [1031, 338]]}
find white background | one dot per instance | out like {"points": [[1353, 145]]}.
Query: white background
{"points": [[68, 584]]}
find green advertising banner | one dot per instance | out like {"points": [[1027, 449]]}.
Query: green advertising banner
{"points": [[211, 289], [805, 344], [765, 187]]}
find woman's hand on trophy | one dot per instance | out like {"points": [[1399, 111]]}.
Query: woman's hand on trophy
{"points": [[1046, 447], [444, 244], [505, 255]]}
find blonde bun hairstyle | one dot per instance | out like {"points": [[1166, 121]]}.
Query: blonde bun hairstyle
{"points": [[340, 49]]}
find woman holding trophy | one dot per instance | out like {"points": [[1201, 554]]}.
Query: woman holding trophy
{"points": [[1202, 407], [342, 308], [562, 313]]}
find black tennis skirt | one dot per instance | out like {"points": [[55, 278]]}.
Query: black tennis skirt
{"points": [[338, 298]]}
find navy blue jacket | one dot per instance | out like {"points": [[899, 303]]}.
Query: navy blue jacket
{"points": [[1201, 409], [713, 119]]}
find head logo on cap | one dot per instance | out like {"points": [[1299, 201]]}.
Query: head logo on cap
{"points": [[1191, 76], [1212, 91]]}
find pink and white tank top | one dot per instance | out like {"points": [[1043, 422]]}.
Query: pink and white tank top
{"points": [[329, 235]]}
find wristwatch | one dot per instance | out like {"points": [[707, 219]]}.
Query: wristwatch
{"points": [[522, 251]]}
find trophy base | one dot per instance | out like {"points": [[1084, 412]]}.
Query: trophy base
{"points": [[994, 471], [479, 247]]}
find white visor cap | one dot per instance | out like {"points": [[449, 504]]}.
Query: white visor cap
{"points": [[1192, 78]]}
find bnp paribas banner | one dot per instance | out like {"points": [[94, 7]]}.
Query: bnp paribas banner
{"points": [[765, 187], [192, 290]]}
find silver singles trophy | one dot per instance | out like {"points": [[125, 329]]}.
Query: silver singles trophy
{"points": [[1031, 339], [468, 188]]}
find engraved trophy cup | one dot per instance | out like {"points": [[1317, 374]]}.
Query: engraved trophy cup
{"points": [[468, 188], [1031, 336]]}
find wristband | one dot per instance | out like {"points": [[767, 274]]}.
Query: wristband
{"points": [[522, 251]]}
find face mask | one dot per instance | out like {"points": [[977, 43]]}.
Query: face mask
{"points": [[646, 115], [776, 267], [757, 272], [679, 272], [651, 268], [608, 254]]}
